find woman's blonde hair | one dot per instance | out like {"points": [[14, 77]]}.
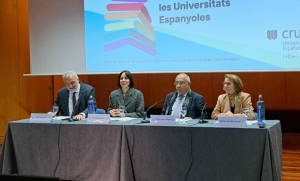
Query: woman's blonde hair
{"points": [[237, 82]]}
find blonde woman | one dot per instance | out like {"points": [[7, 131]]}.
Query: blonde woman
{"points": [[234, 100]]}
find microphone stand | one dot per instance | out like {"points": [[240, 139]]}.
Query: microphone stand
{"points": [[145, 113], [201, 121]]}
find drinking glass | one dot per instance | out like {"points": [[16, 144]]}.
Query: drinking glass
{"points": [[121, 109], [54, 110], [183, 113], [246, 112]]}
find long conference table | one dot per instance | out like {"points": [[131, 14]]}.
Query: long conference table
{"points": [[128, 151]]}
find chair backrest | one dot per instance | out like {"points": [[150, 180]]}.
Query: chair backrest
{"points": [[100, 111]]}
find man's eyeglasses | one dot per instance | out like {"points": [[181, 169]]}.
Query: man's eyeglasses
{"points": [[71, 83], [179, 82], [226, 83]]}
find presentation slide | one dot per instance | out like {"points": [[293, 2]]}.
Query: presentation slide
{"points": [[146, 36]]}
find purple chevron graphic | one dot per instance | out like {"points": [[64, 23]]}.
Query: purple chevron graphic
{"points": [[129, 41], [134, 10]]}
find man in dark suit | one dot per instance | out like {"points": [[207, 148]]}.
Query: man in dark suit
{"points": [[184, 97], [72, 100]]}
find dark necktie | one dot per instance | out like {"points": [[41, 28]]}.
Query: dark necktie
{"points": [[74, 104]]}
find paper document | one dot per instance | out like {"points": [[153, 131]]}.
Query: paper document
{"points": [[60, 117], [248, 122], [122, 119], [251, 122]]}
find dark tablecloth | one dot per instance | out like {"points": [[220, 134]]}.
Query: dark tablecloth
{"points": [[128, 151]]}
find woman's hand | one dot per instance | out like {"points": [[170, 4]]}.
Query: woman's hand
{"points": [[113, 112], [116, 113], [239, 115], [229, 113]]}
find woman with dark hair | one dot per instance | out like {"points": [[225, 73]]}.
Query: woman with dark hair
{"points": [[233, 102], [127, 96]]}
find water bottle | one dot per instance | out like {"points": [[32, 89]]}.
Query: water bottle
{"points": [[261, 112], [91, 105]]}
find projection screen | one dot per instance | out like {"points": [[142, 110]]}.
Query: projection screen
{"points": [[152, 36]]}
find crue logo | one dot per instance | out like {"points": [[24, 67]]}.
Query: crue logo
{"points": [[272, 34]]}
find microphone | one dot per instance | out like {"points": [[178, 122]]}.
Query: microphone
{"points": [[201, 121], [145, 113]]}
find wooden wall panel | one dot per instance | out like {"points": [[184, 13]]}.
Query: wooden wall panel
{"points": [[9, 74], [293, 90], [156, 86], [291, 141], [57, 84], [162, 84], [141, 83], [202, 84], [36, 95], [159, 86], [217, 87], [103, 85], [272, 87], [267, 84]]}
